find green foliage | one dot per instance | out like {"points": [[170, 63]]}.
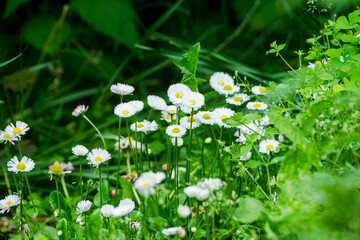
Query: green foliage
{"points": [[249, 210], [65, 209], [95, 223], [12, 6]]}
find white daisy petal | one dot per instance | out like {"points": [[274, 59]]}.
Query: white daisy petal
{"points": [[176, 93], [156, 103], [125, 110], [98, 156], [238, 99], [256, 106], [25, 165], [79, 150], [268, 145], [175, 130]]}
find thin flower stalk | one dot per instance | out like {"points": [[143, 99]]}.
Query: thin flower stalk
{"points": [[119, 158], [58, 195], [188, 158]]}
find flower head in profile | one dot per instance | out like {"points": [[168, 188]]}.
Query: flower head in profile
{"points": [[175, 130], [190, 122], [259, 90], [6, 136], [125, 207], [79, 150], [256, 106], [125, 110], [171, 109], [79, 110], [8, 202], [25, 165], [143, 126], [122, 89], [98, 156], [177, 141], [56, 169], [177, 92], [139, 105], [19, 129], [238, 99], [156, 103], [268, 145], [83, 206]]}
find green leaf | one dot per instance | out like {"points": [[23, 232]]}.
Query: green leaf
{"points": [[334, 52], [325, 76], [188, 64], [338, 88], [46, 231], [66, 210], [12, 6], [104, 192], [252, 164], [249, 210], [126, 189], [62, 226], [199, 234], [96, 223], [11, 60], [343, 23], [113, 18]]}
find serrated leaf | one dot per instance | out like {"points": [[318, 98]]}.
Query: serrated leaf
{"points": [[250, 210], [113, 18]]}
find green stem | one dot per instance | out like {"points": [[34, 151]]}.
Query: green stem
{"points": [[81, 181], [130, 144], [19, 144], [31, 198], [21, 203], [97, 130], [63, 184], [101, 202], [188, 158], [7, 181], [288, 64], [58, 195], [118, 165], [86, 231], [109, 226]]}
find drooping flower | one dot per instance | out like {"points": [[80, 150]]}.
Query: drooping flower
{"points": [[157, 103], [183, 211], [265, 121], [220, 114], [56, 169], [172, 109], [19, 129], [124, 208], [8, 202], [177, 141], [189, 121], [134, 225], [79, 150], [259, 90], [122, 89], [175, 130], [194, 100], [125, 110], [139, 105], [256, 106], [25, 165], [205, 117], [238, 99], [83, 206], [98, 156], [176, 93], [268, 145], [7, 137], [79, 110]]}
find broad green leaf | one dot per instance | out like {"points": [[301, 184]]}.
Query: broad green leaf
{"points": [[343, 23], [12, 6], [46, 231], [126, 189], [334, 52], [325, 76], [354, 17], [199, 234], [249, 210], [104, 192], [338, 88], [113, 18], [95, 223], [252, 164], [188, 64], [65, 209]]}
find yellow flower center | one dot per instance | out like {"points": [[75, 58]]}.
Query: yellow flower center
{"points": [[318, 62], [140, 125], [146, 184], [7, 136], [16, 130], [9, 203], [20, 166], [309, 115], [262, 89], [127, 138], [173, 111], [179, 95], [192, 101], [133, 174], [56, 169], [227, 87], [224, 117], [79, 151], [257, 105], [125, 112], [237, 99], [206, 116], [98, 159], [168, 117], [221, 83], [191, 119], [176, 130], [269, 147]]}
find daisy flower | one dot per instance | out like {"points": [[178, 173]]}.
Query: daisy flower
{"points": [[140, 126], [18, 130], [211, 183], [219, 80], [240, 137], [189, 121], [268, 145], [174, 231], [186, 109], [156, 103], [153, 126], [83, 206], [194, 100], [172, 109], [25, 165], [221, 114], [175, 130], [259, 90], [183, 211], [125, 110], [158, 177], [98, 156], [251, 128], [8, 202], [145, 185], [122, 89], [205, 117], [79, 110], [238, 99], [56, 169], [125, 207], [256, 106], [7, 137], [176, 93], [167, 117], [197, 192], [79, 150], [265, 121], [273, 181], [134, 225], [139, 105], [179, 142]]}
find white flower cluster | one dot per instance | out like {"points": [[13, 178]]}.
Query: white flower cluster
{"points": [[147, 182], [201, 190], [125, 207], [13, 132]]}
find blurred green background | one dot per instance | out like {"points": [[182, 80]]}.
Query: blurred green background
{"points": [[74, 50]]}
